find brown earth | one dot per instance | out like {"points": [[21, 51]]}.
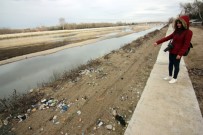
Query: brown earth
{"points": [[108, 85], [194, 63]]}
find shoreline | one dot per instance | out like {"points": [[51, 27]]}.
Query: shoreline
{"points": [[47, 52]]}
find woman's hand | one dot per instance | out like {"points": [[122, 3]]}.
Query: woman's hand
{"points": [[178, 57], [155, 44]]}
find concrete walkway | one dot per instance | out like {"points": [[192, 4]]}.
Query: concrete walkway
{"points": [[166, 109]]}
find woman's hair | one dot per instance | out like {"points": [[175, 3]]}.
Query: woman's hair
{"points": [[179, 21], [178, 30]]}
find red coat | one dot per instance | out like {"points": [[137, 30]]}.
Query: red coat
{"points": [[180, 41]]}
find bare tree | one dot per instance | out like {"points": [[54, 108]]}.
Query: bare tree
{"points": [[199, 8], [187, 8], [62, 22], [195, 9]]}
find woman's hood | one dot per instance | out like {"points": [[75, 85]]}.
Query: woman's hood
{"points": [[185, 21]]}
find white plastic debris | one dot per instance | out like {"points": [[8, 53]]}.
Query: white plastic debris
{"points": [[5, 122], [22, 117], [100, 123], [114, 112], [43, 100], [31, 90], [79, 112], [109, 127]]}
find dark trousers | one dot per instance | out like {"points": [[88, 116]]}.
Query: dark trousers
{"points": [[173, 64]]}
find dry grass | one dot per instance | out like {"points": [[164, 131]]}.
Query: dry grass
{"points": [[27, 39]]}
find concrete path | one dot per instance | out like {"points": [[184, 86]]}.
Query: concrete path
{"points": [[166, 109]]}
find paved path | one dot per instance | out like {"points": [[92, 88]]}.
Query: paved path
{"points": [[166, 109]]}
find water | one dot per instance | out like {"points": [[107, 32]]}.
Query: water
{"points": [[28, 73]]}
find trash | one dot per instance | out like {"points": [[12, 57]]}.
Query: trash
{"points": [[83, 132], [100, 123], [52, 102], [35, 106], [31, 90], [85, 97], [5, 122], [34, 109], [63, 107], [57, 122], [46, 103], [109, 127], [22, 117], [130, 111], [54, 119], [55, 116], [86, 72], [28, 110], [114, 112], [43, 100], [138, 92], [30, 128], [121, 120], [124, 97], [78, 112], [42, 107]]}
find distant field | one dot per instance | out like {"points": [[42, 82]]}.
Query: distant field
{"points": [[12, 45]]}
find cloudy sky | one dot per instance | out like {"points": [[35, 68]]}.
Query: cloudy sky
{"points": [[33, 13]]}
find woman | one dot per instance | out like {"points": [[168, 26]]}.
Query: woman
{"points": [[181, 38]]}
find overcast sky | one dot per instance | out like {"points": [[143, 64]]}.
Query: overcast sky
{"points": [[33, 13]]}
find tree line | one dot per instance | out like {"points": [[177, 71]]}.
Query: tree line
{"points": [[64, 26], [71, 26]]}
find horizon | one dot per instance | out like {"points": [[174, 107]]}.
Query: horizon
{"points": [[21, 14], [81, 23]]}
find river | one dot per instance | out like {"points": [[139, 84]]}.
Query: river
{"points": [[29, 73]]}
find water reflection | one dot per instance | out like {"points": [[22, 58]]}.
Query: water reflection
{"points": [[26, 74]]}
